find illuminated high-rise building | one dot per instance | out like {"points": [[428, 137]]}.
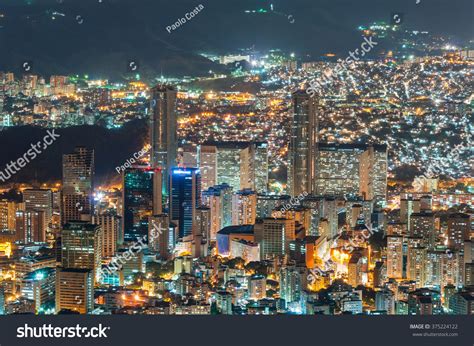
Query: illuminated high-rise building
{"points": [[39, 200], [189, 156], [395, 257], [416, 262], [219, 200], [304, 137], [351, 169], [254, 167], [81, 246], [244, 207], [40, 286], [77, 188], [207, 163], [110, 227], [373, 174], [459, 228], [163, 131], [8, 211], [30, 226], [291, 285], [75, 290], [141, 198], [185, 197], [228, 167], [274, 236], [422, 225], [408, 206]]}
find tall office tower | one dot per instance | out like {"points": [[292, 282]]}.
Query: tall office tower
{"points": [[189, 156], [219, 199], [75, 290], [274, 236], [39, 200], [394, 257], [244, 207], [257, 285], [351, 169], [291, 286], [81, 247], [163, 128], [77, 189], [254, 167], [408, 206], [207, 163], [160, 239], [141, 198], [373, 174], [459, 228], [40, 286], [185, 197], [30, 226], [228, 158], [303, 140], [422, 225], [110, 227], [201, 232], [416, 263], [385, 301], [8, 211]]}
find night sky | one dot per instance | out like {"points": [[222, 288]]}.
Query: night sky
{"points": [[99, 37]]}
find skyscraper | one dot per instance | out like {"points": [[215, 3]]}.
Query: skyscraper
{"points": [[228, 158], [207, 163], [141, 199], [351, 169], [30, 226], [254, 167], [219, 199], [244, 207], [110, 227], [75, 290], [459, 229], [163, 131], [39, 200], [77, 189], [185, 197], [303, 140], [395, 256], [274, 236], [81, 247]]}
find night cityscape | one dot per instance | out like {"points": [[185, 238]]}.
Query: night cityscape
{"points": [[258, 179]]}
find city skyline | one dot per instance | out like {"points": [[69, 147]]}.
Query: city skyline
{"points": [[276, 183]]}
